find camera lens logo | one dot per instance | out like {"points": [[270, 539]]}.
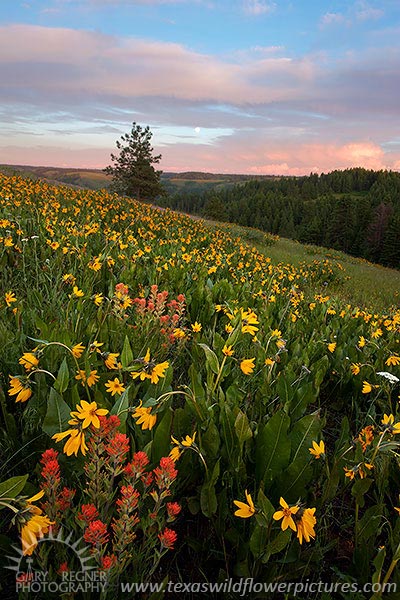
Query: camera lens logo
{"points": [[84, 576]]}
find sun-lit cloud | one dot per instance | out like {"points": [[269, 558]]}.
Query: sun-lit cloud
{"points": [[68, 94]]}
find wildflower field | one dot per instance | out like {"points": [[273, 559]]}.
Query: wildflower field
{"points": [[184, 408]]}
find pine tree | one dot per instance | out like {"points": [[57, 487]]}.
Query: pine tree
{"points": [[133, 173]]}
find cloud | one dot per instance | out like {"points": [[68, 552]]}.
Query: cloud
{"points": [[329, 19], [258, 7], [84, 88], [365, 12]]}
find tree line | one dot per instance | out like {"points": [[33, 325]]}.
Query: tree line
{"points": [[355, 210]]}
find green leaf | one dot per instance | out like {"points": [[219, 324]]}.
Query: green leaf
{"points": [[210, 442], [120, 406], [162, 438], [369, 525], [211, 358], [258, 541], [242, 427], [127, 354], [303, 433], [208, 497], [265, 505], [361, 487], [57, 415], [378, 564], [278, 544], [61, 383], [273, 448], [13, 486]]}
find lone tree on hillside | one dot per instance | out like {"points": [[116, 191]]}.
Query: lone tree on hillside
{"points": [[133, 173]]}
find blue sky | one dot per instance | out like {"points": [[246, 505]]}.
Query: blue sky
{"points": [[249, 86]]}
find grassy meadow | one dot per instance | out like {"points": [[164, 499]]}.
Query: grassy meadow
{"points": [[196, 401]]}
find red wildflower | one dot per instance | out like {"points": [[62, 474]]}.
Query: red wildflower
{"points": [[108, 561], [65, 498], [49, 455], [88, 513], [166, 472], [173, 509], [129, 498], [63, 568], [121, 288], [147, 479], [139, 462], [118, 446], [168, 538], [96, 533], [51, 470]]}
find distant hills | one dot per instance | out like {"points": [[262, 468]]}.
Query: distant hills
{"points": [[190, 181]]}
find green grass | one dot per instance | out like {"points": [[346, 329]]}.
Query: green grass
{"points": [[363, 284]]}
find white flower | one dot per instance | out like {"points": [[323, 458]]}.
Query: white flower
{"points": [[392, 378]]}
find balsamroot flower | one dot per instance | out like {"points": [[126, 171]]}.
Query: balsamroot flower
{"points": [[90, 379], [89, 414], [389, 425], [29, 360], [317, 450], [35, 527], [393, 360], [76, 441], [9, 297], [77, 350], [144, 417], [305, 521], [150, 369], [286, 514], [115, 386], [247, 365], [20, 387], [245, 510]]}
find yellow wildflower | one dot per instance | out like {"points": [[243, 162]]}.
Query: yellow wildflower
{"points": [[247, 365], [19, 387], [115, 386], [144, 417], [245, 510], [317, 450], [89, 414], [286, 514]]}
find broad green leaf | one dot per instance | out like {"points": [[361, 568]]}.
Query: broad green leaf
{"points": [[13, 486], [242, 427], [258, 541], [120, 406], [265, 505], [369, 524], [127, 354], [361, 487], [208, 497], [303, 433], [211, 358], [210, 442], [57, 415], [378, 564], [273, 448], [277, 544], [61, 383], [162, 438]]}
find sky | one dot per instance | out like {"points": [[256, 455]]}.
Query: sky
{"points": [[226, 86]]}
